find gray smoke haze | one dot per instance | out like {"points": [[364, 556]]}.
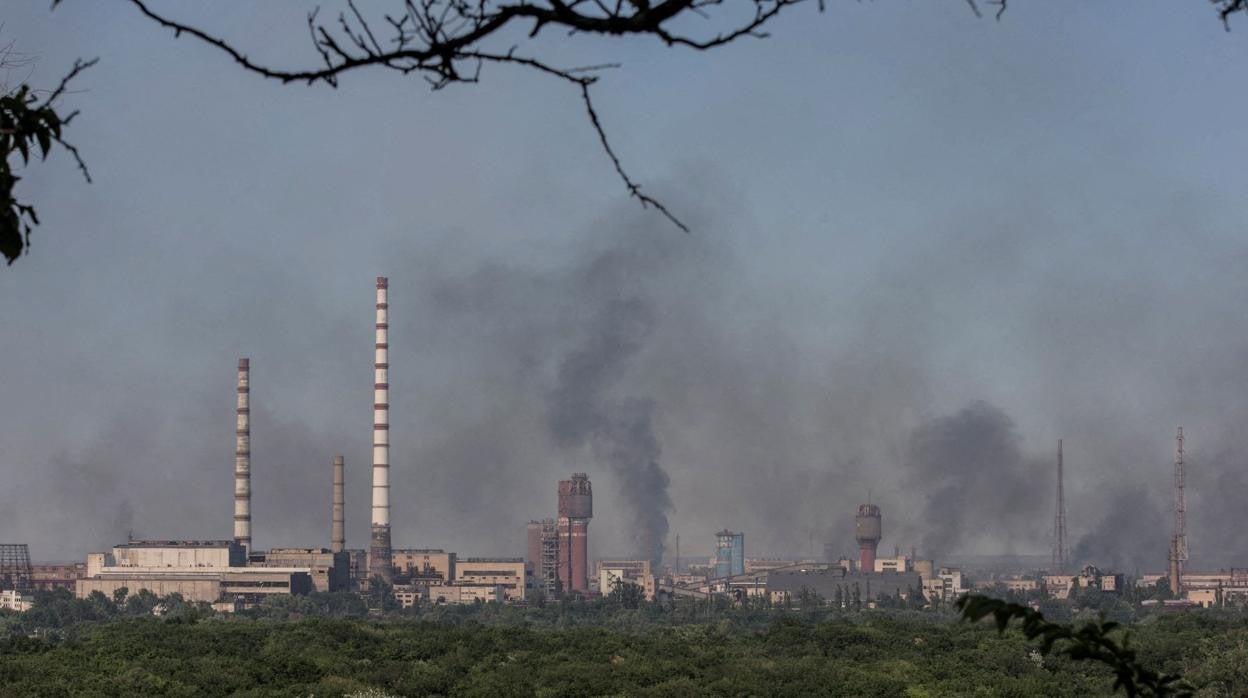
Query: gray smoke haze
{"points": [[913, 292], [620, 431], [978, 483]]}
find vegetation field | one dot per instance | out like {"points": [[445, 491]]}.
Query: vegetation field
{"points": [[74, 649]]}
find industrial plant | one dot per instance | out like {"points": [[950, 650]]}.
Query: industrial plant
{"points": [[558, 563]]}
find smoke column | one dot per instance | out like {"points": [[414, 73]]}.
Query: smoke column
{"points": [[620, 432]]}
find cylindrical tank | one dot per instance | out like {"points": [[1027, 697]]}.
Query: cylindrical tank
{"points": [[576, 497], [867, 531]]}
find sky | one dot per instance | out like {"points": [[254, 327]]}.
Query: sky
{"points": [[924, 247]]}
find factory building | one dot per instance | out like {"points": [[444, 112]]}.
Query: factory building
{"points": [[899, 563], [575, 509], [505, 572], [729, 554], [423, 565], [612, 572], [542, 560], [329, 571], [825, 582], [49, 576], [13, 600], [208, 571]]}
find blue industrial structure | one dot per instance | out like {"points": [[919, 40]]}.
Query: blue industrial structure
{"points": [[729, 553]]}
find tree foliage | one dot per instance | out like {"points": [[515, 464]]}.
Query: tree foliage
{"points": [[29, 125], [1091, 641]]}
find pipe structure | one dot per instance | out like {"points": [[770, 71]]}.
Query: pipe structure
{"points": [[242, 457], [338, 537], [379, 553]]}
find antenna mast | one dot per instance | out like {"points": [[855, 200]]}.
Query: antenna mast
{"points": [[1061, 553], [1178, 546]]}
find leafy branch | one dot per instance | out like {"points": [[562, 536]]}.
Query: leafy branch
{"points": [[1090, 642], [27, 122]]}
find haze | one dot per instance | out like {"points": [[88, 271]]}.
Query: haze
{"points": [[924, 248]]}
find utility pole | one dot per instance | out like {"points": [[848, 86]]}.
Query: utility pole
{"points": [[1061, 554]]}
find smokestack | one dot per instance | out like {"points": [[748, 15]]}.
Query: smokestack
{"points": [[338, 537], [379, 553], [576, 508], [868, 531], [242, 457]]}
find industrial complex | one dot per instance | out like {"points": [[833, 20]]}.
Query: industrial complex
{"points": [[557, 563]]}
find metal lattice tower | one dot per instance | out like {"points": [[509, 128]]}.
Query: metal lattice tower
{"points": [[548, 565], [1180, 506], [1061, 553], [15, 570]]}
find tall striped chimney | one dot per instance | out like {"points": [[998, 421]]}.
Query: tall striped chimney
{"points": [[379, 560], [242, 457], [338, 538]]}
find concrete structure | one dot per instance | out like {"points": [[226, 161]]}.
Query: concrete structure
{"points": [[505, 572], [465, 592], [208, 571], [899, 563], [1058, 586], [576, 508], [379, 561], [177, 554], [338, 507], [15, 569], [357, 564], [199, 584], [543, 557], [328, 570], [242, 457], [729, 553], [867, 531], [13, 600], [417, 565], [631, 571], [823, 583], [48, 576]]}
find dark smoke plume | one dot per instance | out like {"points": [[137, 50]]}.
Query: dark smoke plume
{"points": [[620, 432], [978, 483], [1132, 535]]}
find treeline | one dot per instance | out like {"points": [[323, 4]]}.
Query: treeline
{"points": [[579, 649]]}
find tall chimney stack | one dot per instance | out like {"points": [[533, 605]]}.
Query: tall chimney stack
{"points": [[338, 537], [379, 554], [242, 457]]}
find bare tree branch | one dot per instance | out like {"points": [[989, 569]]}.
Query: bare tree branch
{"points": [[445, 41]]}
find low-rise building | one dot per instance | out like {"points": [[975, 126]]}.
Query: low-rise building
{"points": [[423, 565], [506, 572], [49, 576], [824, 584], [900, 563], [13, 600], [611, 572], [330, 571], [452, 593]]}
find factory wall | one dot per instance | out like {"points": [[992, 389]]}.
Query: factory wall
{"points": [[507, 572]]}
